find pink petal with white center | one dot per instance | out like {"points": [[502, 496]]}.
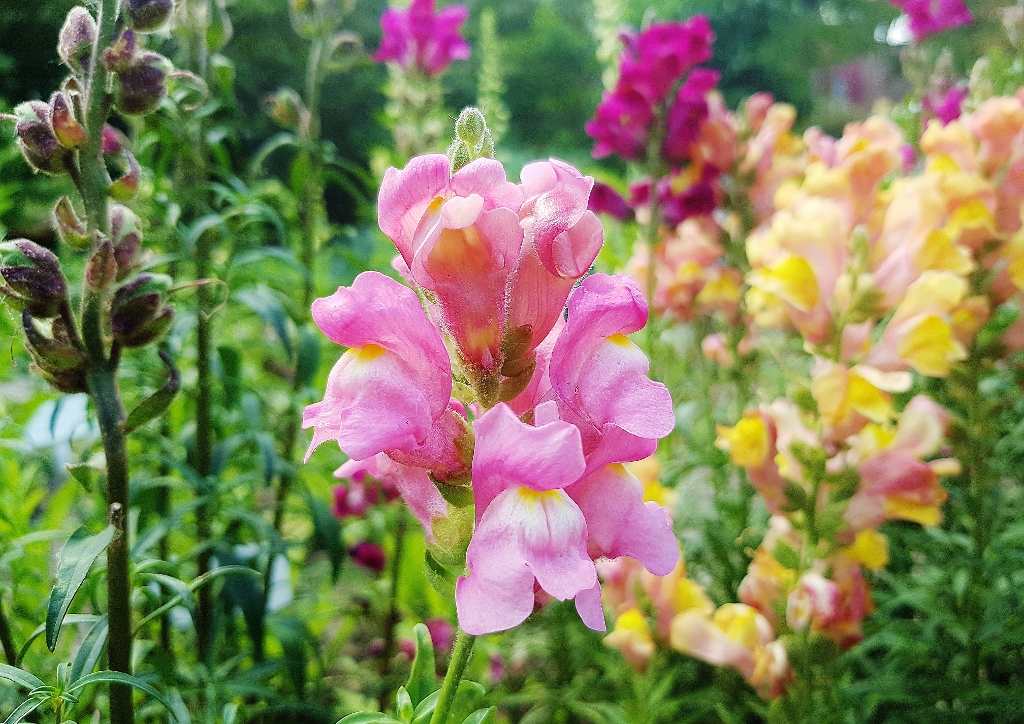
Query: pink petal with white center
{"points": [[509, 453], [405, 195], [486, 178], [543, 529], [373, 402], [620, 523], [377, 310]]}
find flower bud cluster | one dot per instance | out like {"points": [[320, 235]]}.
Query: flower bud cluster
{"points": [[503, 425]]}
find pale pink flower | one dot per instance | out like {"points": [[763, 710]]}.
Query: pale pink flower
{"points": [[529, 531]]}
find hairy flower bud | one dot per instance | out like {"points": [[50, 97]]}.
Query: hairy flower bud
{"points": [[147, 16], [472, 139], [70, 228], [36, 139], [58, 360], [101, 268], [138, 315], [124, 187], [139, 87], [122, 53], [126, 237], [67, 130], [286, 108], [76, 38], [33, 277]]}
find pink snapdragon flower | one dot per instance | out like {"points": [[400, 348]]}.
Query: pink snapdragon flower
{"points": [[529, 531], [928, 17], [423, 38]]}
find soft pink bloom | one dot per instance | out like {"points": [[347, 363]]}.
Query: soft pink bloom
{"points": [[600, 377], [529, 531], [394, 382], [928, 17], [813, 603], [687, 114], [422, 38]]}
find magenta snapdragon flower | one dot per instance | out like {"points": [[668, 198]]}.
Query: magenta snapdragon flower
{"points": [[928, 17], [422, 37]]}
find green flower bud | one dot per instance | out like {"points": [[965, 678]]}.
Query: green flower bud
{"points": [[76, 39], [67, 130], [286, 108], [71, 229], [122, 54], [471, 127], [147, 16], [126, 238]]}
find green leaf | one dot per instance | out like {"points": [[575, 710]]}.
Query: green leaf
{"points": [[230, 374], [262, 301], [157, 403], [440, 578], [307, 359], [90, 651], [467, 698], [73, 564], [461, 496], [423, 676], [368, 718], [482, 716], [20, 677], [403, 705], [786, 554], [326, 534], [117, 677], [24, 709], [72, 619]]}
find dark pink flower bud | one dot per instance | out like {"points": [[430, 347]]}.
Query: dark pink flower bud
{"points": [[32, 278], [126, 238], [137, 312], [36, 139], [350, 501], [122, 54], [147, 16], [408, 647], [442, 634], [369, 555], [139, 88], [606, 200], [76, 39], [113, 140]]}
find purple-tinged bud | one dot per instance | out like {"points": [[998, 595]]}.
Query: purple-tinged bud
{"points": [[36, 139], [369, 555], [113, 140], [287, 109], [122, 54], [76, 39], [138, 315], [124, 187], [139, 88], [71, 229], [147, 16], [33, 278], [101, 269], [56, 353], [126, 237], [68, 131]]}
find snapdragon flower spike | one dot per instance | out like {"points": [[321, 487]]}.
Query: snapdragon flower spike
{"points": [[393, 384], [422, 37], [928, 17], [529, 531], [600, 377]]}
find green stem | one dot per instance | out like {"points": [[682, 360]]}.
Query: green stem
{"points": [[392, 616], [204, 446], [6, 640], [461, 655]]}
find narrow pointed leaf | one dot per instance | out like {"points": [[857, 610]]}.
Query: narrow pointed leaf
{"points": [[423, 676], [90, 651], [24, 709], [20, 677], [73, 564], [155, 405], [117, 677]]}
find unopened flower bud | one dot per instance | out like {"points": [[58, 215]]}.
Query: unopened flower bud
{"points": [[147, 16], [113, 140], [369, 555], [71, 229], [286, 108], [76, 39], [126, 237], [36, 138], [139, 88], [138, 315], [33, 277], [122, 54], [67, 130], [124, 187], [55, 358], [471, 127], [101, 269]]}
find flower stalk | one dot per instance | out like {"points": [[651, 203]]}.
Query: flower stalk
{"points": [[461, 654]]}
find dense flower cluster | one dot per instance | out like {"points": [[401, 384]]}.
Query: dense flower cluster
{"points": [[471, 388]]}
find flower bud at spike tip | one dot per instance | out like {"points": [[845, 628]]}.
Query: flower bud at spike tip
{"points": [[471, 127], [71, 229], [139, 88], [472, 139], [149, 15], [36, 138], [68, 131], [76, 39]]}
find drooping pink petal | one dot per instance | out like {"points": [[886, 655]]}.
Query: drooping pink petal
{"points": [[620, 523], [588, 606]]}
